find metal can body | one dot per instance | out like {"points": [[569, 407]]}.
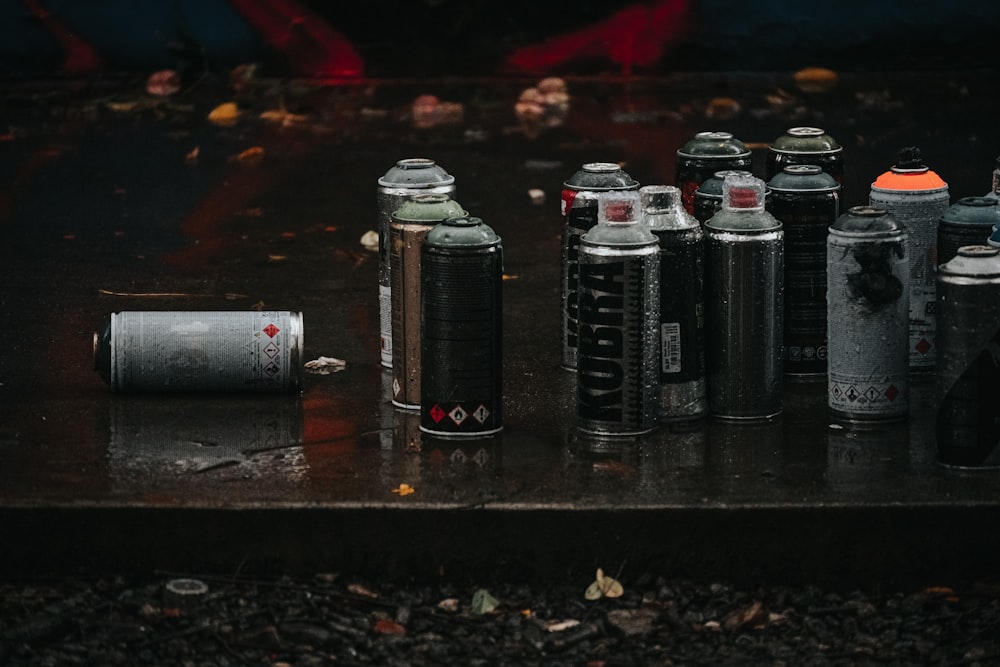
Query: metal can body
{"points": [[708, 196], [618, 373], [744, 274], [683, 386], [579, 212], [144, 351], [867, 316], [806, 145], [462, 342], [705, 154], [410, 224], [408, 177], [969, 221], [917, 198], [968, 378], [807, 201]]}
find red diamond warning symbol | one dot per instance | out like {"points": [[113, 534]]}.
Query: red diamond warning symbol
{"points": [[271, 330], [437, 414], [923, 346], [891, 393]]}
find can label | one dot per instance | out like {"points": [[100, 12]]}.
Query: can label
{"points": [[671, 350], [617, 372], [580, 212], [868, 323], [385, 325]]}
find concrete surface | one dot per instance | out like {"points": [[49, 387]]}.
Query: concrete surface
{"points": [[104, 207]]}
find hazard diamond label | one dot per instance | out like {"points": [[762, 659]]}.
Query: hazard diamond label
{"points": [[458, 456], [271, 350], [872, 393], [891, 393], [923, 346], [458, 415], [271, 330], [437, 414], [852, 393], [396, 387], [481, 414], [272, 369]]}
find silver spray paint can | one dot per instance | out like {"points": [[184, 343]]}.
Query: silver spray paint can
{"points": [[682, 302], [744, 276], [144, 351], [968, 373], [618, 371], [579, 213], [868, 270], [408, 177], [917, 198]]}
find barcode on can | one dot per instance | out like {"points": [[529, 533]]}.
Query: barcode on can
{"points": [[670, 344]]}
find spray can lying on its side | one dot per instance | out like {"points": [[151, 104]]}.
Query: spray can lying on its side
{"points": [[867, 316], [142, 351], [744, 275], [968, 378], [579, 212], [618, 373], [407, 178], [705, 154], [410, 224], [461, 355], [682, 303], [917, 198], [969, 221], [806, 201]]}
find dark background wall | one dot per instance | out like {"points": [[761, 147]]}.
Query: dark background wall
{"points": [[399, 38]]}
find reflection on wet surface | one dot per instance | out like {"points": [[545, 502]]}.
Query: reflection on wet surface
{"points": [[102, 213]]}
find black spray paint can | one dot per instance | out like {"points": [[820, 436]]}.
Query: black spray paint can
{"points": [[916, 197], [806, 200], [705, 154], [579, 212], [408, 177], [969, 221], [618, 371], [166, 351], [967, 387], [682, 302], [806, 145], [868, 271], [744, 278], [462, 342], [409, 227], [708, 196]]}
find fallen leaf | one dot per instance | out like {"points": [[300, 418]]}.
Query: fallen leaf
{"points": [[483, 602], [358, 589], [192, 156], [754, 617], [276, 258], [163, 83], [450, 605], [559, 626], [252, 155], [370, 240], [225, 115], [283, 117], [325, 366], [404, 490], [387, 626], [604, 587]]}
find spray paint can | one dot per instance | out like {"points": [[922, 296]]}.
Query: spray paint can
{"points": [[994, 192], [916, 197], [579, 211], [968, 374], [143, 351], [806, 145], [682, 303], [744, 277], [462, 343], [969, 221], [708, 196], [807, 201], [705, 154], [867, 316], [410, 224], [408, 177], [994, 239], [618, 373]]}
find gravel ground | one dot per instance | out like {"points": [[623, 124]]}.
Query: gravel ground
{"points": [[330, 619]]}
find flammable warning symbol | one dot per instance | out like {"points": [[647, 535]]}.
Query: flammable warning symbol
{"points": [[837, 391], [458, 415], [437, 414], [458, 456], [271, 330], [481, 414]]}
